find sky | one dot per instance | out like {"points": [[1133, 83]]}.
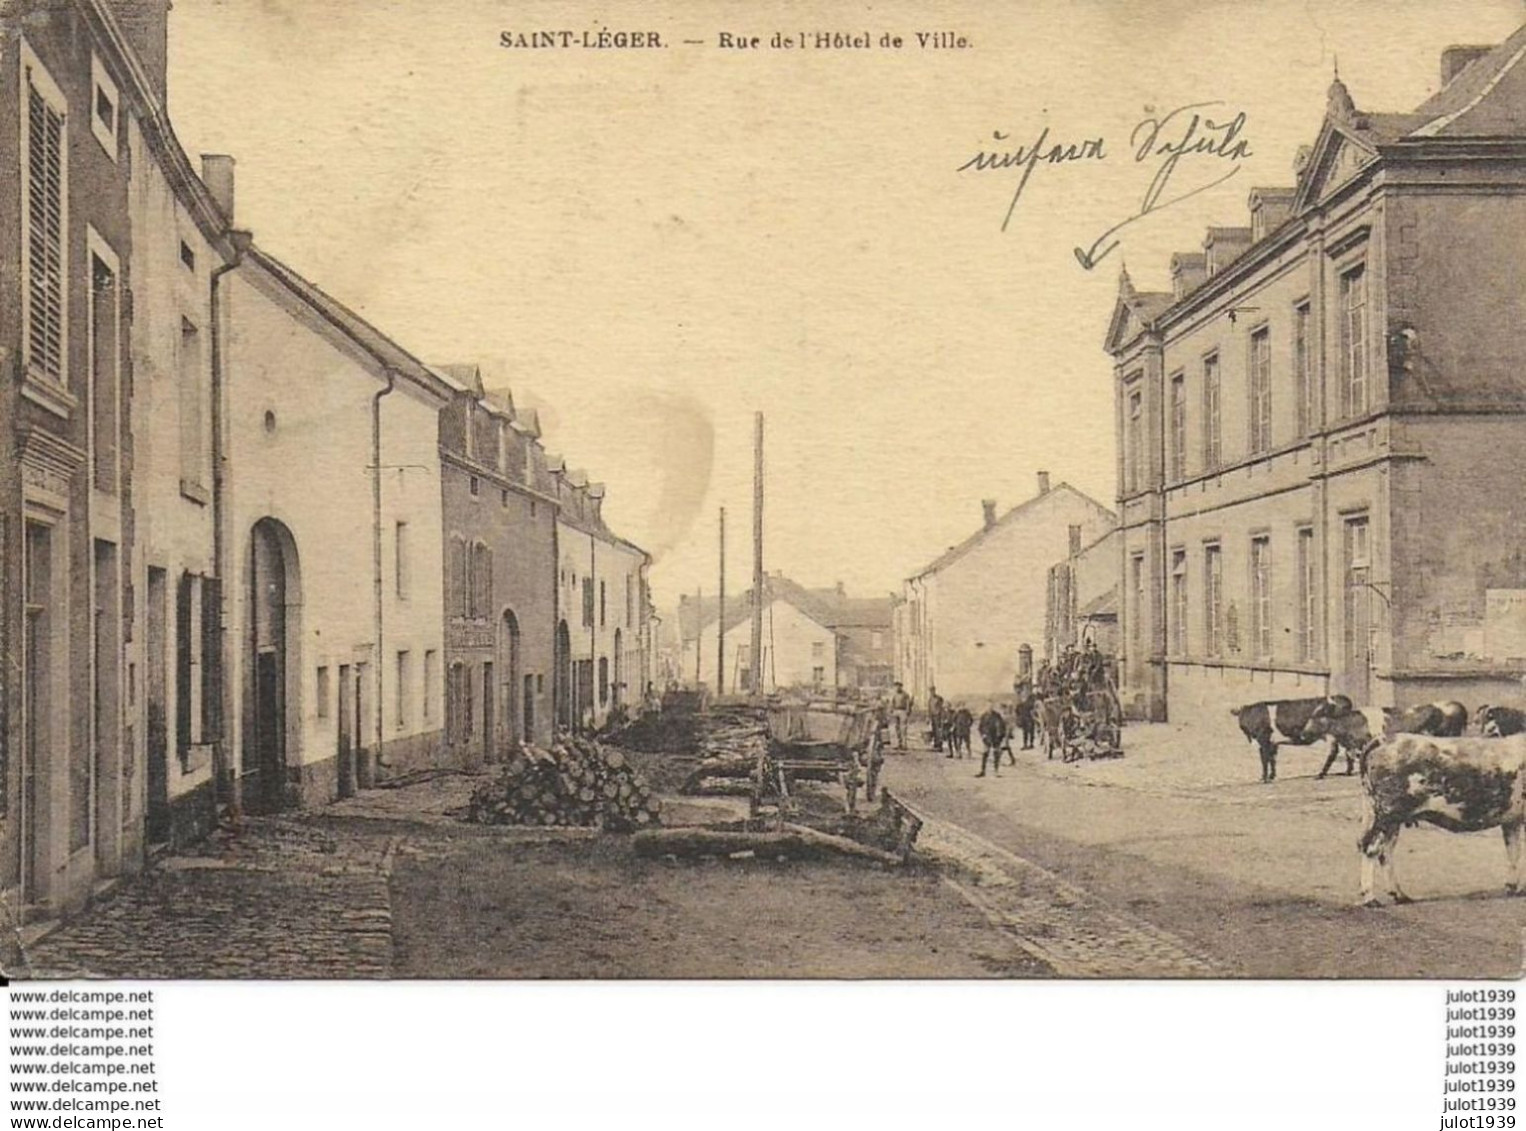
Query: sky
{"points": [[651, 245]]}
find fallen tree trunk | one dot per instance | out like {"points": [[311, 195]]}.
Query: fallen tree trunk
{"points": [[793, 841]]}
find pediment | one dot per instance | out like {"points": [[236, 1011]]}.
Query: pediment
{"points": [[1123, 327], [1338, 157]]}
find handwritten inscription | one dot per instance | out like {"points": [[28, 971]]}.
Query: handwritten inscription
{"points": [[1159, 141]]}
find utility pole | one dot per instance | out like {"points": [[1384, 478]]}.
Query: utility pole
{"points": [[699, 631], [756, 652], [720, 622]]}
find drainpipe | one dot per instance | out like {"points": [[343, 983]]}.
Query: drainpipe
{"points": [[593, 632], [225, 783], [360, 765]]}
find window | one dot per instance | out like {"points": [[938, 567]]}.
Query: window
{"points": [[1213, 447], [460, 579], [1308, 417], [630, 605], [211, 659], [1261, 596], [43, 249], [431, 673], [818, 650], [1213, 600], [1308, 594], [323, 693], [602, 607], [475, 486], [1179, 602], [402, 565], [1135, 453], [105, 356], [603, 680], [193, 438], [1353, 341], [103, 110], [818, 676], [1136, 622], [876, 640], [1261, 391], [503, 497], [403, 676], [481, 581], [1179, 426], [587, 602]]}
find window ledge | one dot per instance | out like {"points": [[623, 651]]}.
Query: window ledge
{"points": [[195, 492], [48, 394]]}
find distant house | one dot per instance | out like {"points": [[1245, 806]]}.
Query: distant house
{"points": [[963, 619], [1083, 597], [816, 638]]}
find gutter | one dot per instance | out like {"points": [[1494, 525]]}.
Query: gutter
{"points": [[225, 783], [360, 770]]}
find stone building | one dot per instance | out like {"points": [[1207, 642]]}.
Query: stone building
{"points": [[500, 572], [962, 620], [1083, 597], [108, 242], [1322, 424], [333, 527], [603, 627]]}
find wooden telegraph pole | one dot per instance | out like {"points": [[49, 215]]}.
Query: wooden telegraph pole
{"points": [[756, 653], [720, 623]]}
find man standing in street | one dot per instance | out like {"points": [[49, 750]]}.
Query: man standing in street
{"points": [[900, 712], [935, 711]]}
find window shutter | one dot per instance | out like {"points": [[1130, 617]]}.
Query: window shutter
{"points": [[183, 665], [45, 215], [211, 658]]}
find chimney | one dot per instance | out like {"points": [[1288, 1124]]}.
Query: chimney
{"points": [[146, 24], [842, 592], [988, 508], [217, 175], [1075, 540], [1043, 483], [1458, 56]]}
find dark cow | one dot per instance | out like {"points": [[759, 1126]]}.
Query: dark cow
{"points": [[994, 735], [1442, 720], [1501, 722], [1458, 784], [1351, 732], [1282, 722]]}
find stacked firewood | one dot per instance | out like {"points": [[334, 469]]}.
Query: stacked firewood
{"points": [[576, 783]]}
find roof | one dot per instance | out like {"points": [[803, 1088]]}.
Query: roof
{"points": [[1465, 108], [1101, 606], [383, 349], [830, 608], [1016, 514]]}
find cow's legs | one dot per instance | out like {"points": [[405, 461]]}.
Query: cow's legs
{"points": [[1335, 749], [1377, 846], [1515, 837], [1268, 750]]}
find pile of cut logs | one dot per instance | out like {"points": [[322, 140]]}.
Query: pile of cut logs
{"points": [[577, 782]]}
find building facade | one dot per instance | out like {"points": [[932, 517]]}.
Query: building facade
{"points": [[1083, 597], [603, 604], [962, 621], [1322, 425], [334, 595], [500, 573]]}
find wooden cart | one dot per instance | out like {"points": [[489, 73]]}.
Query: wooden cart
{"points": [[816, 741]]}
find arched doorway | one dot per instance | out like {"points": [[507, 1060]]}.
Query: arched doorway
{"points": [[561, 686], [510, 712], [273, 679], [617, 692]]}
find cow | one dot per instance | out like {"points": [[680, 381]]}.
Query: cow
{"points": [[1354, 730], [1282, 722], [1459, 784], [1351, 732], [1501, 722], [994, 735]]}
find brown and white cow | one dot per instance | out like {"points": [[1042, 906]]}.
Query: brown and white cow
{"points": [[1459, 784], [1283, 722]]}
